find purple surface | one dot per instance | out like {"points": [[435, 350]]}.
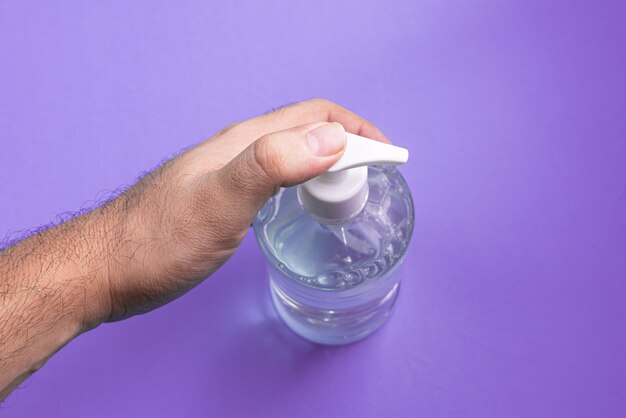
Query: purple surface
{"points": [[514, 114]]}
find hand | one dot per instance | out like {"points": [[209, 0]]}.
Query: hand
{"points": [[160, 238], [181, 223]]}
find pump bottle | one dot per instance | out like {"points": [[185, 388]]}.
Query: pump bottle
{"points": [[334, 245]]}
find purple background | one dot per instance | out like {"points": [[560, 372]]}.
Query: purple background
{"points": [[515, 299]]}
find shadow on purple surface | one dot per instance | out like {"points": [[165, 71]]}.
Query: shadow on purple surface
{"points": [[258, 355]]}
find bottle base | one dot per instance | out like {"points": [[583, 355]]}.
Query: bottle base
{"points": [[339, 326]]}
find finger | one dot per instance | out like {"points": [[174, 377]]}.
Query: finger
{"points": [[310, 111], [278, 159], [321, 110]]}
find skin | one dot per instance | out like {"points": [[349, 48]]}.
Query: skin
{"points": [[163, 236]]}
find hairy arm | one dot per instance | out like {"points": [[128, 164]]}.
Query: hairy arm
{"points": [[160, 238], [52, 288]]}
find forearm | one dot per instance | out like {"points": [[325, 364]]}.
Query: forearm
{"points": [[53, 286]]}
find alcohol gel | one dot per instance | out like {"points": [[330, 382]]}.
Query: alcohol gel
{"points": [[334, 243]]}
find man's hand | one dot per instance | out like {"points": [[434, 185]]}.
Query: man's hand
{"points": [[182, 222], [163, 236]]}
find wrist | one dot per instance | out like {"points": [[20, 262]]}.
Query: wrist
{"points": [[54, 287], [94, 240]]}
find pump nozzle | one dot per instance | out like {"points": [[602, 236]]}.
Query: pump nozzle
{"points": [[362, 151], [341, 192]]}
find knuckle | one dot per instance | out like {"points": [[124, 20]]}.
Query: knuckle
{"points": [[268, 157], [320, 101], [281, 111], [229, 129], [314, 104]]}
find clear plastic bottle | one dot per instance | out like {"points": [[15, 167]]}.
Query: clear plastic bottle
{"points": [[336, 283]]}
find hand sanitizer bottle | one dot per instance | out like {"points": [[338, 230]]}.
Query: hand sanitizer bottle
{"points": [[334, 244]]}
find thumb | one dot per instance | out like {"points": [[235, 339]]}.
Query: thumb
{"points": [[284, 158]]}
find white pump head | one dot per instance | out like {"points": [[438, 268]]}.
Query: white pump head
{"points": [[340, 193]]}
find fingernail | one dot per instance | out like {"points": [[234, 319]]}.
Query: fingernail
{"points": [[327, 139]]}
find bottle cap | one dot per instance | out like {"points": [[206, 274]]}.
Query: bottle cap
{"points": [[340, 193]]}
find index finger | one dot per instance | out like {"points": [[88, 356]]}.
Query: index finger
{"points": [[302, 113]]}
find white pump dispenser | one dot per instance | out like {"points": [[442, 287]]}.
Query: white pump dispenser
{"points": [[340, 193]]}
